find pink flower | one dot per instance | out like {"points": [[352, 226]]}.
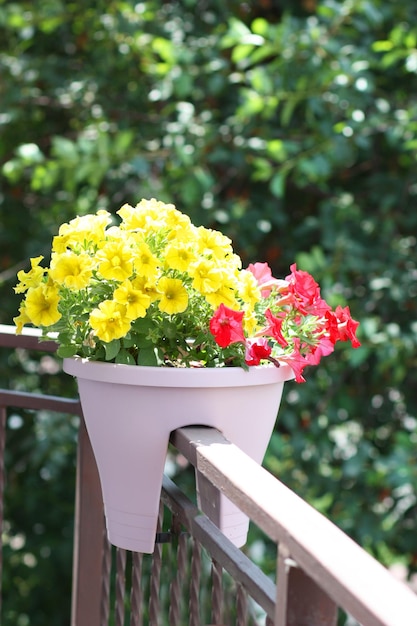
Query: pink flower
{"points": [[226, 326], [263, 274], [256, 350], [324, 348], [296, 361]]}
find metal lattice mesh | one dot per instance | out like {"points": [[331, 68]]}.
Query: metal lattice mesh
{"points": [[180, 584]]}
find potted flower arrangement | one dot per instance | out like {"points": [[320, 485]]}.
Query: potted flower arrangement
{"points": [[159, 323]]}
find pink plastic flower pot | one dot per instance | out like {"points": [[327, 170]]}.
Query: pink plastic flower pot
{"points": [[130, 412]]}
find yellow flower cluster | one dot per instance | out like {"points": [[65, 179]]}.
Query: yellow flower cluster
{"points": [[103, 277]]}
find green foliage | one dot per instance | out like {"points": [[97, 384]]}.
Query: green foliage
{"points": [[294, 131]]}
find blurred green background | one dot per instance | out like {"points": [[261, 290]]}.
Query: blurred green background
{"points": [[290, 126]]}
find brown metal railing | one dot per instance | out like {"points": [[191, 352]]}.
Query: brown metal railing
{"points": [[196, 576]]}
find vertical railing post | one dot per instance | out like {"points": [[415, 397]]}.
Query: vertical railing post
{"points": [[88, 538], [300, 601]]}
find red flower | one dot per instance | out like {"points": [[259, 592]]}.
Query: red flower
{"points": [[226, 326], [274, 328], [303, 284], [256, 350], [347, 326], [307, 292], [332, 326]]}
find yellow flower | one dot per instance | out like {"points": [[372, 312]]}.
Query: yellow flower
{"points": [[206, 277], [135, 300], [41, 305], [146, 264], [115, 261], [248, 289], [21, 320], [32, 278], [179, 256], [109, 321], [176, 221], [148, 287], [250, 323], [82, 230], [225, 295], [212, 243], [72, 270], [147, 214], [174, 297]]}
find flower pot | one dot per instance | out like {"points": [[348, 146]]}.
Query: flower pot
{"points": [[130, 412]]}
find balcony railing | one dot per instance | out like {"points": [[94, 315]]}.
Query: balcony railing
{"points": [[195, 575]]}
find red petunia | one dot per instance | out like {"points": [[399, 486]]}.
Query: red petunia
{"points": [[274, 328], [257, 350], [303, 284], [331, 326], [226, 326], [347, 326], [307, 292]]}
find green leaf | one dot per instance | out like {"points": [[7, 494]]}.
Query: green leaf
{"points": [[143, 325], [147, 356], [260, 26], [288, 110], [382, 46], [241, 52], [278, 184], [65, 149], [65, 352], [129, 341], [112, 349], [125, 358]]}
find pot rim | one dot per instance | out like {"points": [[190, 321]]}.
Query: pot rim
{"points": [[176, 376]]}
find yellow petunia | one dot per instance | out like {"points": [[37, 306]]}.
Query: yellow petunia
{"points": [[82, 230], [224, 295], [206, 276], [179, 256], [174, 296], [146, 215], [212, 243], [250, 323], [115, 261], [146, 264], [41, 305], [109, 321], [71, 270], [32, 278], [249, 291], [136, 301], [177, 222], [147, 286], [21, 320]]}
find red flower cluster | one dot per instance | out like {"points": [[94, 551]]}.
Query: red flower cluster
{"points": [[298, 326]]}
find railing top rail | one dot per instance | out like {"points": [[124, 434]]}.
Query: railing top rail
{"points": [[354, 579], [29, 339]]}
